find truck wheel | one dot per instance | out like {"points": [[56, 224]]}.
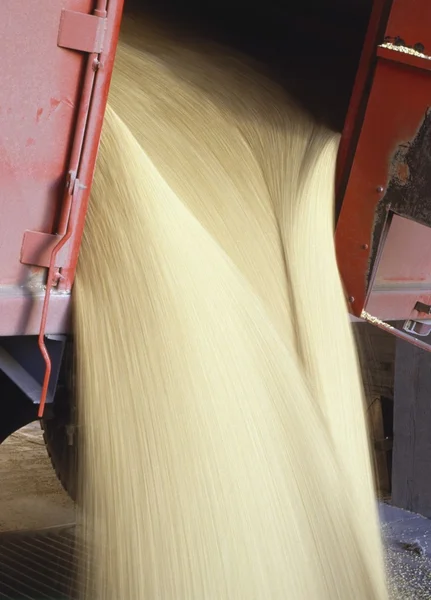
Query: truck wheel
{"points": [[59, 429]]}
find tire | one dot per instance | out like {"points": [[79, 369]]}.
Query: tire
{"points": [[59, 431]]}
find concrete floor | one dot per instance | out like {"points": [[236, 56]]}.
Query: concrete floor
{"points": [[30, 495]]}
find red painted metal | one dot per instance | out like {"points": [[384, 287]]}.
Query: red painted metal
{"points": [[359, 93], [405, 59], [400, 93], [56, 70], [411, 20], [397, 104], [22, 311], [81, 31], [46, 97], [37, 248], [91, 144], [83, 159]]}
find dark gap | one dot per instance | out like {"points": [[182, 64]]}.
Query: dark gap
{"points": [[312, 48]]}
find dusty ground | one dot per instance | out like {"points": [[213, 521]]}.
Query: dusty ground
{"points": [[30, 495]]}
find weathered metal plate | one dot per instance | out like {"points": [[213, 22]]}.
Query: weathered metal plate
{"points": [[403, 272], [39, 97], [47, 101]]}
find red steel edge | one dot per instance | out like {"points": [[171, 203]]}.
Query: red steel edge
{"points": [[359, 95], [81, 168]]}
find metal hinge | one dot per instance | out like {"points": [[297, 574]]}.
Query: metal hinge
{"points": [[81, 31], [37, 246]]}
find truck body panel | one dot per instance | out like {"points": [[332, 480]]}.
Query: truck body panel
{"points": [[57, 61]]}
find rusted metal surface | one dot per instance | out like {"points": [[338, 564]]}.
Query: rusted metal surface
{"points": [[52, 102], [391, 173]]}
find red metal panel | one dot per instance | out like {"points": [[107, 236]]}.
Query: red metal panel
{"points": [[37, 249], [91, 142], [411, 21], [50, 99], [38, 98], [396, 108], [399, 98], [359, 94], [22, 311]]}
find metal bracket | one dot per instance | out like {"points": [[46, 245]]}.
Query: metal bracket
{"points": [[37, 247], [417, 328], [21, 361], [81, 31], [422, 327]]}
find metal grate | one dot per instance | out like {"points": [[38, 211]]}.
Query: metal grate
{"points": [[39, 565]]}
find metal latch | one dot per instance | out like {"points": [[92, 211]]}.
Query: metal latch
{"points": [[81, 31], [419, 327]]}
